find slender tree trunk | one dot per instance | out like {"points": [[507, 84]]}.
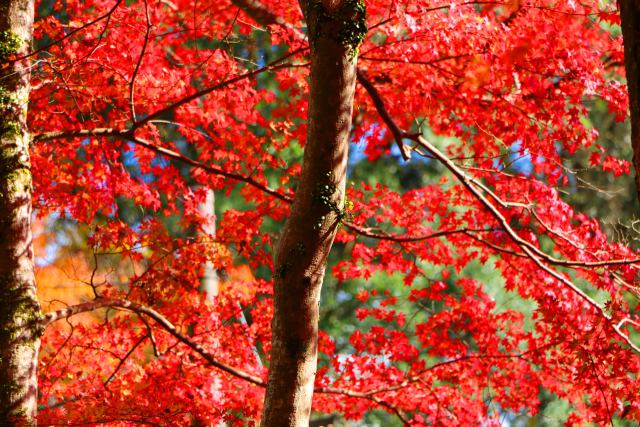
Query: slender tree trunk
{"points": [[210, 281], [19, 309], [630, 16], [336, 29]]}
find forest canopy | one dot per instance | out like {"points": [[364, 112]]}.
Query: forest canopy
{"points": [[277, 213]]}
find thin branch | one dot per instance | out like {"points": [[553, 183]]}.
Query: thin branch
{"points": [[127, 135], [540, 258], [368, 232], [140, 310], [275, 65], [124, 359], [496, 247], [534, 253], [132, 83], [469, 182], [414, 62], [417, 375], [366, 396], [159, 319], [212, 169], [596, 376], [467, 3], [69, 34], [624, 336], [152, 338], [398, 134]]}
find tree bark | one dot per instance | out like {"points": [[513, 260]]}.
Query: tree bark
{"points": [[19, 309], [335, 31], [210, 281], [630, 17]]}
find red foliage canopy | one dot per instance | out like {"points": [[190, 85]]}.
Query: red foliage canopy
{"points": [[137, 101]]}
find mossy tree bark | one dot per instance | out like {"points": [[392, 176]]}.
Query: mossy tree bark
{"points": [[336, 29], [630, 17], [19, 309]]}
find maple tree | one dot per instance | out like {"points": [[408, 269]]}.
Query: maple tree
{"points": [[476, 294]]}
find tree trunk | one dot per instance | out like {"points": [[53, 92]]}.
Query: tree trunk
{"points": [[336, 29], [19, 309], [630, 15], [210, 281]]}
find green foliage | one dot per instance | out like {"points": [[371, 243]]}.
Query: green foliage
{"points": [[611, 199]]}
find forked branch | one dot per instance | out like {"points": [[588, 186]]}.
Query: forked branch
{"points": [[540, 258], [162, 321]]}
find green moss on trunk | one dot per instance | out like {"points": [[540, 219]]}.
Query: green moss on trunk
{"points": [[10, 43], [347, 25]]}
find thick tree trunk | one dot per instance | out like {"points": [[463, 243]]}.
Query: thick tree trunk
{"points": [[19, 337], [335, 31], [630, 15]]}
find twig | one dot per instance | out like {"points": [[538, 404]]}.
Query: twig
{"points": [[132, 83]]}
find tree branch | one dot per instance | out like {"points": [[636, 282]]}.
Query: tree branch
{"points": [[128, 135], [141, 310], [275, 65], [367, 232], [540, 258], [69, 34], [398, 134], [159, 319]]}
